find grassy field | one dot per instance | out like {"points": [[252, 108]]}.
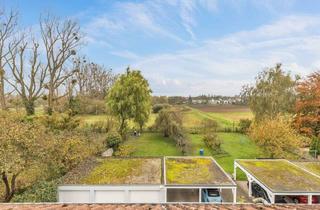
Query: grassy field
{"points": [[225, 117], [153, 144], [90, 119]]}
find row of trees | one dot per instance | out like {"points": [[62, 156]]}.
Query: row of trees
{"points": [[286, 110], [46, 66]]}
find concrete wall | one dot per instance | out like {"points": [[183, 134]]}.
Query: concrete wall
{"points": [[111, 194]]}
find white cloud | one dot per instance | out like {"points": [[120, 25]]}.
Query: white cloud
{"points": [[240, 56]]}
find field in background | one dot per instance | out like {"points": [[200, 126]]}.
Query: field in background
{"points": [[227, 116]]}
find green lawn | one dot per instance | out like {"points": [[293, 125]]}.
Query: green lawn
{"points": [[153, 144], [235, 146]]}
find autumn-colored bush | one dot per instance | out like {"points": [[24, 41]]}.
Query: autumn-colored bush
{"points": [[22, 148], [124, 150], [67, 149], [276, 136]]}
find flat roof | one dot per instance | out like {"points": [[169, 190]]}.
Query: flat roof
{"points": [[195, 171], [116, 171], [281, 175], [312, 166]]}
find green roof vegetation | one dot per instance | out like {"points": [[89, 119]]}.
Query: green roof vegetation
{"points": [[123, 171], [313, 167], [194, 171], [281, 175]]}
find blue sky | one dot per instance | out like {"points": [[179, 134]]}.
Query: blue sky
{"points": [[191, 46]]}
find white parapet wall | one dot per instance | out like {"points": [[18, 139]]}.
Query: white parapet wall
{"points": [[111, 194]]}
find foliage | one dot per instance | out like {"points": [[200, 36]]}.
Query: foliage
{"points": [[22, 146], [67, 149], [169, 122], [244, 125], [158, 107], [208, 126], [89, 105], [276, 136], [130, 98], [103, 126], [213, 142], [308, 105], [43, 191], [60, 121], [273, 93], [113, 140], [124, 150]]}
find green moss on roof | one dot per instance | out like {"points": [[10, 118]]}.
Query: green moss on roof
{"points": [[281, 175], [125, 171], [193, 171], [313, 167]]}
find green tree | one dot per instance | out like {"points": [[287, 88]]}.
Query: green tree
{"points": [[169, 123], [130, 98], [272, 93]]}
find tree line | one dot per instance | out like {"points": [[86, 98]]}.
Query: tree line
{"points": [[46, 65]]}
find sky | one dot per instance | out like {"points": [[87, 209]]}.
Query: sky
{"points": [[191, 47]]}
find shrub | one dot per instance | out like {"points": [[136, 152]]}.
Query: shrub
{"points": [[158, 107], [124, 150], [277, 136], [43, 191], [244, 125], [212, 141], [169, 123], [113, 140], [208, 126], [67, 149], [60, 121]]}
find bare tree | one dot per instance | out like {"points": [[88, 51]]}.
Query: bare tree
{"points": [[61, 40], [93, 79], [8, 25], [28, 78]]}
